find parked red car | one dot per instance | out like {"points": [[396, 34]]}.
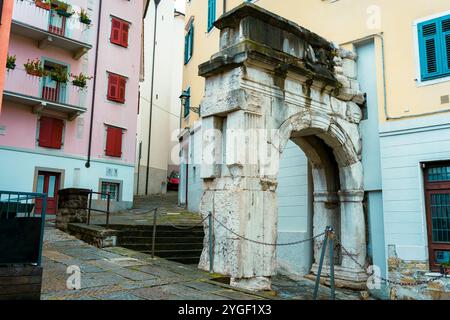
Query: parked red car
{"points": [[173, 181]]}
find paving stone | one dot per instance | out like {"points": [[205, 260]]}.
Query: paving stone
{"points": [[121, 295], [134, 275], [89, 280]]}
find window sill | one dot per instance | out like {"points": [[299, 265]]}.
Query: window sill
{"points": [[424, 83]]}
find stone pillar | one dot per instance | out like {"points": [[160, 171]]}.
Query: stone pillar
{"points": [[72, 204], [326, 213], [353, 236]]}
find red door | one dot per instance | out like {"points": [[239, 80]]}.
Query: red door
{"points": [[48, 182]]}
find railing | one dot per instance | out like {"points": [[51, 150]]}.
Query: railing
{"points": [[26, 12], [22, 223], [18, 81], [108, 206]]}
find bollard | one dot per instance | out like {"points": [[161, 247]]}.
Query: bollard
{"points": [[322, 257], [154, 232], [210, 227]]}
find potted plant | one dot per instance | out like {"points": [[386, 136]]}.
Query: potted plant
{"points": [[35, 68], [80, 80], [84, 17], [64, 9], [44, 4], [11, 62], [59, 74], [445, 268]]}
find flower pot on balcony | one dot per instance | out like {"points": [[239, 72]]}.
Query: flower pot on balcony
{"points": [[64, 13], [42, 4], [35, 73], [85, 21], [10, 66], [78, 83]]}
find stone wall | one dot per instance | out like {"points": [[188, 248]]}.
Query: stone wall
{"points": [[72, 204], [411, 272]]}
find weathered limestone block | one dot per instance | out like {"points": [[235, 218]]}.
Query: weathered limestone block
{"points": [[350, 68], [72, 204]]}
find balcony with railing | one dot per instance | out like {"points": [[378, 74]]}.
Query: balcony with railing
{"points": [[49, 26], [43, 93]]}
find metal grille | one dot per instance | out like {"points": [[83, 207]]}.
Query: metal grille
{"points": [[440, 217], [439, 174]]}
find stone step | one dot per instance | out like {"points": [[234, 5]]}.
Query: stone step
{"points": [[162, 233], [175, 247], [146, 240], [174, 254]]}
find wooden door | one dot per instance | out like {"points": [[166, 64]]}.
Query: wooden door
{"points": [[48, 182]]}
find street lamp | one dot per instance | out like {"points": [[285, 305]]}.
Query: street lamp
{"points": [[185, 96]]}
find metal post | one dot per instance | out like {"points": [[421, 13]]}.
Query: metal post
{"points": [[210, 226], [89, 209], [322, 257], [331, 237], [154, 232], [43, 213], [107, 208]]}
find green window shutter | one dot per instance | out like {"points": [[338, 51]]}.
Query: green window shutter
{"points": [[189, 44], [445, 25], [211, 14], [187, 107], [429, 46]]}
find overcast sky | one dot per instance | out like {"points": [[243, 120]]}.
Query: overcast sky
{"points": [[179, 5]]}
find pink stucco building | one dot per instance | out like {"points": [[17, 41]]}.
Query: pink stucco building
{"points": [[57, 129]]}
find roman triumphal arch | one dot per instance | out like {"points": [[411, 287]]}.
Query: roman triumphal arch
{"points": [[273, 81]]}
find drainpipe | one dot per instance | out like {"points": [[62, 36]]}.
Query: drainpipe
{"points": [[224, 6], [151, 97], [88, 162]]}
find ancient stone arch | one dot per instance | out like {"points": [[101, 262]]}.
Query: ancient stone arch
{"points": [[275, 77]]}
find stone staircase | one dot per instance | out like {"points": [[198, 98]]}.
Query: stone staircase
{"points": [[184, 246]]}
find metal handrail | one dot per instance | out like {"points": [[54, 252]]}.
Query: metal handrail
{"points": [[108, 203]]}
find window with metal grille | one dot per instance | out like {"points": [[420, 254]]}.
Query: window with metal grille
{"points": [[113, 189], [434, 48], [119, 32], [437, 189]]}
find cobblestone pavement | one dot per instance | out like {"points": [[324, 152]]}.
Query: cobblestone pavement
{"points": [[122, 274]]}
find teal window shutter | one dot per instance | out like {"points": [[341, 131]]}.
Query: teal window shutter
{"points": [[211, 14], [445, 25], [429, 49], [434, 48], [187, 107], [189, 44]]}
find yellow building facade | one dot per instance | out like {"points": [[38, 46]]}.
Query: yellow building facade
{"points": [[392, 24]]}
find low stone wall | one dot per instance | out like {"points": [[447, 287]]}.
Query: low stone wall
{"points": [[72, 204], [410, 272]]}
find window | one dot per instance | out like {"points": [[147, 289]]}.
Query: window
{"points": [[437, 189], [211, 14], [189, 44], [114, 142], [50, 132], [116, 88], [434, 48], [187, 106], [119, 32], [113, 189]]}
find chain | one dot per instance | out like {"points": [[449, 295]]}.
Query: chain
{"points": [[398, 283], [269, 244], [185, 228]]}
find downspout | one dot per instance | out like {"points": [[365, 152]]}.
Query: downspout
{"points": [[151, 98], [224, 6], [88, 162]]}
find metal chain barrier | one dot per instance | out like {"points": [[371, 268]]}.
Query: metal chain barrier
{"points": [[265, 243], [393, 282]]}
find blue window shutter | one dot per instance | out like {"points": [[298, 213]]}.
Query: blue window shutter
{"points": [[211, 13], [186, 46], [445, 40], [187, 107], [430, 49], [189, 44]]}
